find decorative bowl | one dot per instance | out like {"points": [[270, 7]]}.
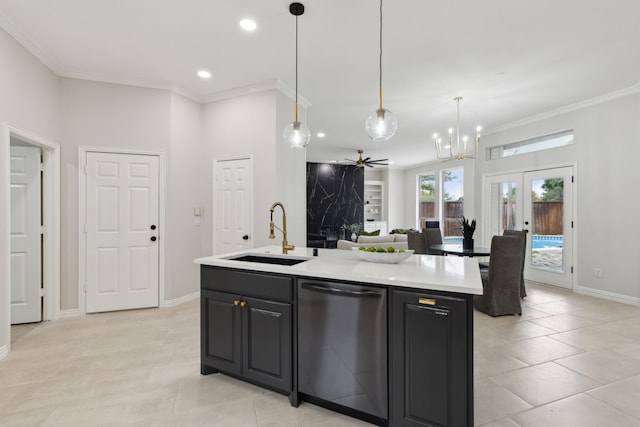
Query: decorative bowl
{"points": [[383, 257]]}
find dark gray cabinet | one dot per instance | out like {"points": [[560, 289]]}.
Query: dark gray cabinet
{"points": [[432, 360], [247, 328]]}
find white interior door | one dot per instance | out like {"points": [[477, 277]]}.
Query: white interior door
{"points": [[122, 231], [233, 197], [548, 215], [26, 249]]}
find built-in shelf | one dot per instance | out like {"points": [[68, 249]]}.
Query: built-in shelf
{"points": [[374, 204]]}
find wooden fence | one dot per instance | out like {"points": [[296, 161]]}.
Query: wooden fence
{"points": [[547, 217]]}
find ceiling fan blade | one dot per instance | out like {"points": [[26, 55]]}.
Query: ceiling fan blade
{"points": [[378, 160], [367, 164], [367, 159], [349, 160]]}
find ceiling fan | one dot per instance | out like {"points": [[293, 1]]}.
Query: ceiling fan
{"points": [[367, 161]]}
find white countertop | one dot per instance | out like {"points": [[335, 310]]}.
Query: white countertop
{"points": [[424, 272]]}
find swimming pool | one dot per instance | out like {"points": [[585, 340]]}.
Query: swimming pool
{"points": [[538, 241], [552, 241]]}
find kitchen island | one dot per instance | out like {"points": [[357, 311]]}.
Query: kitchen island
{"points": [[388, 343]]}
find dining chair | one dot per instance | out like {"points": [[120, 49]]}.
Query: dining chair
{"points": [[523, 235], [432, 236], [416, 241], [484, 266], [501, 284]]}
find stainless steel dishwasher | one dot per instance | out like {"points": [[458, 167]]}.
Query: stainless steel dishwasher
{"points": [[342, 345]]}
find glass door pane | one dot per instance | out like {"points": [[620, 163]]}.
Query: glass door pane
{"points": [[548, 216], [503, 205], [426, 199], [452, 204]]}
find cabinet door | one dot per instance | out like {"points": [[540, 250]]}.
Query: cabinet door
{"points": [[221, 339], [267, 335], [430, 373]]}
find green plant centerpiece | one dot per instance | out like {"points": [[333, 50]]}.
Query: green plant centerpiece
{"points": [[354, 228], [468, 228]]}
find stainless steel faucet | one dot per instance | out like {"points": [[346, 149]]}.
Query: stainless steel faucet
{"points": [[286, 247]]}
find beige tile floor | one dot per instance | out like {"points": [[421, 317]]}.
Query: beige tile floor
{"points": [[569, 360]]}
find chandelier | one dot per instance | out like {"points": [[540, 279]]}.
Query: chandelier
{"points": [[461, 150]]}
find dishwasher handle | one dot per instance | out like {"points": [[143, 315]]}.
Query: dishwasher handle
{"points": [[342, 292]]}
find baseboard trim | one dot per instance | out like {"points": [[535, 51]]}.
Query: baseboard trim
{"points": [[611, 296], [65, 314], [181, 300], [4, 351]]}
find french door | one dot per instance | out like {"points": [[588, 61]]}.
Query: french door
{"points": [[541, 202]]}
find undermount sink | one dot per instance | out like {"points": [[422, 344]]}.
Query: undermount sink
{"points": [[265, 259]]}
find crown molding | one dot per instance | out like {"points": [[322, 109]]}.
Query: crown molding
{"points": [[271, 84], [131, 81], [29, 45], [567, 109]]}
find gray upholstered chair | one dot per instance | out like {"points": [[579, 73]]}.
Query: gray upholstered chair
{"points": [[501, 284], [416, 241], [523, 235], [432, 236], [484, 266]]}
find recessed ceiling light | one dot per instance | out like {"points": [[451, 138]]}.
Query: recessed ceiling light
{"points": [[320, 135], [204, 74], [248, 24]]}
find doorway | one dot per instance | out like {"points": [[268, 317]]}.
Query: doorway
{"points": [[540, 202], [233, 204], [50, 237], [120, 219]]}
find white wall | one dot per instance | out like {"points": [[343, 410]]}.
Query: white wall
{"points": [[395, 199], [606, 151], [104, 115], [253, 124], [291, 173], [182, 238], [30, 101]]}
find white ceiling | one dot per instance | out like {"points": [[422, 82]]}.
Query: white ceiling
{"points": [[509, 59]]}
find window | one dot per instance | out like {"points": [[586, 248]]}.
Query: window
{"points": [[426, 198], [452, 203], [546, 142]]}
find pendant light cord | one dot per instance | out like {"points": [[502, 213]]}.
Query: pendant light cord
{"points": [[296, 68], [380, 68]]}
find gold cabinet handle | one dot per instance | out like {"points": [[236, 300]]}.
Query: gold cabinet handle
{"points": [[243, 303], [236, 302]]}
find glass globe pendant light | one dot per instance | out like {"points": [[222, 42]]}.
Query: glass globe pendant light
{"points": [[297, 134], [381, 125]]}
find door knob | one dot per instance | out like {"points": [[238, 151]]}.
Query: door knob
{"points": [[153, 227], [153, 238], [245, 237]]}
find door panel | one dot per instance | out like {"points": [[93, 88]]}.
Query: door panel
{"points": [[26, 251], [122, 249], [221, 335], [267, 342], [548, 217], [233, 197]]}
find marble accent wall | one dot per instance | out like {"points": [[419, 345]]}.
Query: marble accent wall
{"points": [[334, 197]]}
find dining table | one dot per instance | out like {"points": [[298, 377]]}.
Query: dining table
{"points": [[457, 249]]}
